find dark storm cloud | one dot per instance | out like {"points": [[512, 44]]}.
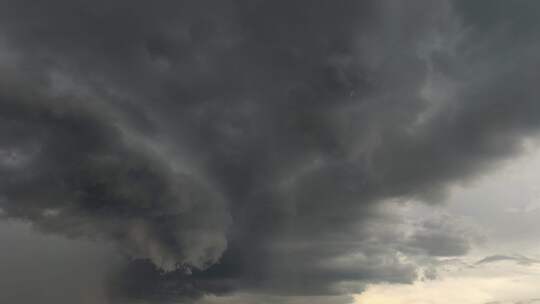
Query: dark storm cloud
{"points": [[73, 172], [248, 143], [439, 237]]}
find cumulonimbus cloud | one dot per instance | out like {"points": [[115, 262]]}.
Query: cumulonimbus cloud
{"points": [[247, 144]]}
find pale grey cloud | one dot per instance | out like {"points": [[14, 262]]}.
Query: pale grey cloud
{"points": [[514, 258]]}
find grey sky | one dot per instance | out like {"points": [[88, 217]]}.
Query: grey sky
{"points": [[263, 151]]}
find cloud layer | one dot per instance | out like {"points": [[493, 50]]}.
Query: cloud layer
{"points": [[246, 146]]}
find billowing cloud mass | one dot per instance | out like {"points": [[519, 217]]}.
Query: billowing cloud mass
{"points": [[253, 149]]}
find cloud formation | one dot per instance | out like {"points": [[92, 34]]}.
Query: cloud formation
{"points": [[523, 260], [246, 146]]}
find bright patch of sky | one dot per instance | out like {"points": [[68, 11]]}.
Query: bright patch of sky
{"points": [[501, 209]]}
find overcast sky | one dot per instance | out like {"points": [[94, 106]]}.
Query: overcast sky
{"points": [[268, 151]]}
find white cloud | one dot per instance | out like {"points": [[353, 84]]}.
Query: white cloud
{"points": [[502, 205], [502, 282]]}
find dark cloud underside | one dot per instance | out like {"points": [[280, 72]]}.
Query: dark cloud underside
{"points": [[247, 145]]}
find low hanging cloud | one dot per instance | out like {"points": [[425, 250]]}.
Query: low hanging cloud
{"points": [[246, 146]]}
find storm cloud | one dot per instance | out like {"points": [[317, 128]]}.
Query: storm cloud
{"points": [[251, 147]]}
